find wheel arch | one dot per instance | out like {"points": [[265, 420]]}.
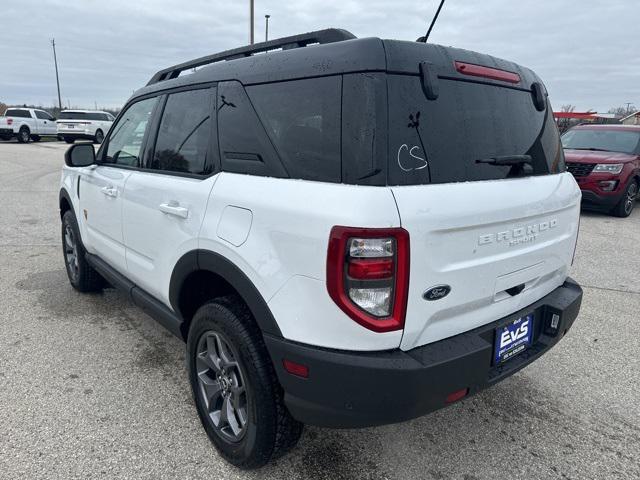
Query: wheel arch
{"points": [[202, 275], [64, 202]]}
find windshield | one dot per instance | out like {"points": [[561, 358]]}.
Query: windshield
{"points": [[623, 141]]}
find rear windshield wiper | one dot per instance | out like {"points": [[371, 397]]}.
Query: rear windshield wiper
{"points": [[507, 160]]}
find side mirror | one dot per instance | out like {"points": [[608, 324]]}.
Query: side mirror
{"points": [[80, 155]]}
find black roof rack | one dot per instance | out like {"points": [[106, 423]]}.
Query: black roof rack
{"points": [[329, 35]]}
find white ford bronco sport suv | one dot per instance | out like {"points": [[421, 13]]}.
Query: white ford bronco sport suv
{"points": [[346, 232]]}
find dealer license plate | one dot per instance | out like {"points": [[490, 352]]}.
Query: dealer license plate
{"points": [[513, 338]]}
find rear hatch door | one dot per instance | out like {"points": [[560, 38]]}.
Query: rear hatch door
{"points": [[495, 237]]}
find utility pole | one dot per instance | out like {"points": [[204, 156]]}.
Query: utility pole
{"points": [[628, 109], [266, 27], [251, 21], [55, 61]]}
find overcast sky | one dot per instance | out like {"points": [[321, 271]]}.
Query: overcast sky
{"points": [[586, 51]]}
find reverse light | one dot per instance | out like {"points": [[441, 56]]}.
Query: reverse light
{"points": [[368, 275], [614, 168]]}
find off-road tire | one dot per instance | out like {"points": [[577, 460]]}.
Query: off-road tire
{"points": [[24, 135], [69, 139], [271, 430], [628, 201], [85, 279], [35, 138]]}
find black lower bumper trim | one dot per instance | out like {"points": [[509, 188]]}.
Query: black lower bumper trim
{"points": [[594, 201], [359, 389]]}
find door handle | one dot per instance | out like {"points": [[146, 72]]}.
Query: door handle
{"points": [[110, 191], [172, 208]]}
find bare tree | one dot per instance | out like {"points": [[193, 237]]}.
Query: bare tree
{"points": [[3, 108], [567, 108], [621, 111]]}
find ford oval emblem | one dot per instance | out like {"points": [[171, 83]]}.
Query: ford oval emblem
{"points": [[436, 293]]}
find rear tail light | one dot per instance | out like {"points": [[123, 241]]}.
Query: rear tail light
{"points": [[368, 275], [9, 121]]}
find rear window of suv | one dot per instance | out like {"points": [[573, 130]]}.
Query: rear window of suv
{"points": [[440, 141], [83, 116]]}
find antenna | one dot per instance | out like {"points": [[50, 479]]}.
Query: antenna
{"points": [[433, 22]]}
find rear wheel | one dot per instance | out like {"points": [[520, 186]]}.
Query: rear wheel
{"points": [[628, 201], [235, 388], [69, 139], [99, 137], [24, 135], [81, 275]]}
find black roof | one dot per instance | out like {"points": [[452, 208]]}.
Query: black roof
{"points": [[321, 53]]}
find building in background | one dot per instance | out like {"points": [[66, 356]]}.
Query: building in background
{"points": [[633, 119]]}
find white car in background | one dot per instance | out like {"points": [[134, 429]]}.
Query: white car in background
{"points": [[83, 124]]}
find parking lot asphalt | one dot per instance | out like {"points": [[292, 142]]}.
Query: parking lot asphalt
{"points": [[90, 387]]}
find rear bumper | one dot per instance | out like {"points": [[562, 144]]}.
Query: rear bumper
{"points": [[359, 389], [76, 135], [6, 132]]}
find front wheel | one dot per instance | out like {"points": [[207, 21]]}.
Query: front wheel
{"points": [[69, 139], [81, 275], [628, 201], [235, 388], [35, 138]]}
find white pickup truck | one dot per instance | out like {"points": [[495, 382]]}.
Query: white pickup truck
{"points": [[27, 124]]}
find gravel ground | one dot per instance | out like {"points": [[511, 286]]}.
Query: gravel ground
{"points": [[90, 387]]}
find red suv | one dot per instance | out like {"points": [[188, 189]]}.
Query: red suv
{"points": [[605, 161]]}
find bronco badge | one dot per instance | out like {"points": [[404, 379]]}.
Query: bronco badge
{"points": [[436, 293]]}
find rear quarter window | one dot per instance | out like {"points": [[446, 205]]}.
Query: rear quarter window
{"points": [[439, 141], [302, 119]]}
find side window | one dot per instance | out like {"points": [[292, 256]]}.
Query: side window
{"points": [[42, 115], [110, 117], [18, 113], [184, 133], [125, 141], [302, 118], [244, 144]]}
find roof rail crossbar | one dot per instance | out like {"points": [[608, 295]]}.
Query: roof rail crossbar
{"points": [[329, 35]]}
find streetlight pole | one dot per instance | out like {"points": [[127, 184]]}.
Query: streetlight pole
{"points": [[251, 9], [266, 27], [55, 61]]}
